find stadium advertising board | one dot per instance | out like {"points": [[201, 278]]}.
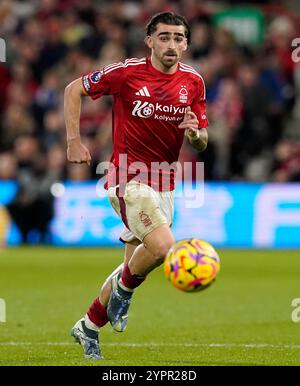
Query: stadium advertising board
{"points": [[231, 215]]}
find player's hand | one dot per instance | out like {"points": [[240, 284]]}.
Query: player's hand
{"points": [[190, 123], [77, 152]]}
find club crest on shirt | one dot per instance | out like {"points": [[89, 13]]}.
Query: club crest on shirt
{"points": [[183, 94], [95, 76]]}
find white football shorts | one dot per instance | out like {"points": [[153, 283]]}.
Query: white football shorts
{"points": [[141, 208]]}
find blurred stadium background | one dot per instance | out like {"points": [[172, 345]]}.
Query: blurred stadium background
{"points": [[252, 164]]}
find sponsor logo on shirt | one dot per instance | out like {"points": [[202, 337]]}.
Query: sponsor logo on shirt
{"points": [[95, 76], [146, 110], [143, 109]]}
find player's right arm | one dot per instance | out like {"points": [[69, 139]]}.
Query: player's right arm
{"points": [[106, 81], [76, 151]]}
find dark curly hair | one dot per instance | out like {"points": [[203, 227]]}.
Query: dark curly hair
{"points": [[168, 18]]}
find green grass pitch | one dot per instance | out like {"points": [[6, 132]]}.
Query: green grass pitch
{"points": [[244, 318]]}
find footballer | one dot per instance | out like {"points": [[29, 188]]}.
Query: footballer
{"points": [[157, 100]]}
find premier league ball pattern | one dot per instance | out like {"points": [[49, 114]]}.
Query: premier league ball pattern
{"points": [[192, 265]]}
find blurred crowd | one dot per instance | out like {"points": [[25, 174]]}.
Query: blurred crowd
{"points": [[253, 92]]}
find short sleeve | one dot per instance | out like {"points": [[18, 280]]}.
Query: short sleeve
{"points": [[105, 81], [199, 104]]}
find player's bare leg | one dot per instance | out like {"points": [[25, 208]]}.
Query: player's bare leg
{"points": [[106, 288], [86, 330], [152, 252], [145, 258]]}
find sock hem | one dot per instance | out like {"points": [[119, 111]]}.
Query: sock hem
{"points": [[123, 287], [90, 324]]}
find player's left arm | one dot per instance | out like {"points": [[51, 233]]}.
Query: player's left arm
{"points": [[199, 139], [195, 119], [197, 136]]}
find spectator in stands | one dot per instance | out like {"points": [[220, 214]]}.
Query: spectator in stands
{"points": [[287, 161], [32, 208]]}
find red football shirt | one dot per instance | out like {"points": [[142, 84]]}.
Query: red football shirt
{"points": [[148, 106]]}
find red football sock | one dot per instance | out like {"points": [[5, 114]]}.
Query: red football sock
{"points": [[131, 281], [97, 313]]}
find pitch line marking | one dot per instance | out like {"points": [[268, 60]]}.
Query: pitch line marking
{"points": [[207, 345]]}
